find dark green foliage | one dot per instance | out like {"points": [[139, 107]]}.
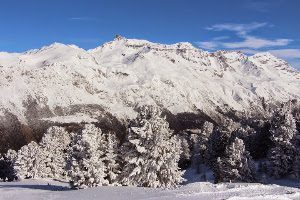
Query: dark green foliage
{"points": [[7, 172], [217, 143], [284, 150], [281, 160], [236, 165]]}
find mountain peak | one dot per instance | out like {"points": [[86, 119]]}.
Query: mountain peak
{"points": [[57, 45], [119, 37]]}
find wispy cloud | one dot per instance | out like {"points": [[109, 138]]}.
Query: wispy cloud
{"points": [[243, 33], [221, 38], [209, 45], [291, 55], [256, 43], [240, 29], [250, 44], [286, 53], [81, 19]]}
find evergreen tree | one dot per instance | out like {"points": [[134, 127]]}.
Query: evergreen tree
{"points": [[86, 167], [207, 129], [185, 156], [282, 154], [236, 165], [296, 165], [111, 159], [248, 135], [7, 171], [283, 127], [281, 160], [200, 145], [196, 155], [28, 161], [54, 145], [296, 160], [151, 153], [217, 143]]}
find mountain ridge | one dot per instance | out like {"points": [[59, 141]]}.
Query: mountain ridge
{"points": [[124, 73]]}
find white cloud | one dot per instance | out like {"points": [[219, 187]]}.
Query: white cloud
{"points": [[250, 44], [286, 53], [242, 32], [208, 45], [256, 43], [81, 18], [292, 56], [240, 29], [221, 38]]}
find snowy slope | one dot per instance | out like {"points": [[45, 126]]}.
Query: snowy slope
{"points": [[126, 72], [39, 189]]}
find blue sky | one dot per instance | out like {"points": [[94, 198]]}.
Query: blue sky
{"points": [[247, 25]]}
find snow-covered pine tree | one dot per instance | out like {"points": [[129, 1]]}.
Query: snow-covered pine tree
{"points": [[296, 160], [200, 145], [281, 160], [282, 154], [206, 132], [296, 140], [86, 166], [216, 145], [7, 171], [283, 127], [11, 155], [28, 161], [151, 153], [112, 159], [54, 145], [196, 156], [185, 156], [248, 135], [207, 129], [236, 165]]}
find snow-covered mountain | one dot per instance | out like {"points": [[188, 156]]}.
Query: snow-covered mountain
{"points": [[59, 80]]}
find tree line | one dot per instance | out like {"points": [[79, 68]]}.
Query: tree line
{"points": [[152, 155]]}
